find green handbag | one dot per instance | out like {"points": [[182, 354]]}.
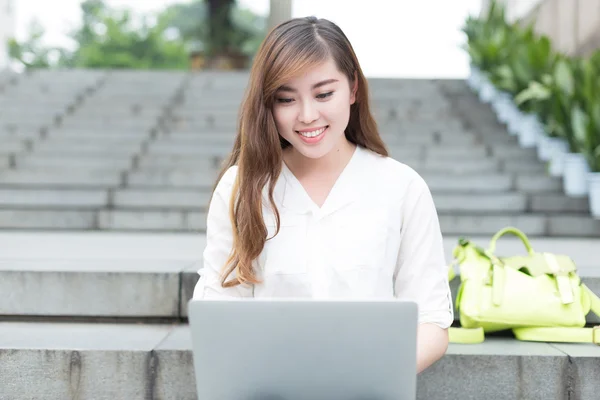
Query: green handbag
{"points": [[538, 296]]}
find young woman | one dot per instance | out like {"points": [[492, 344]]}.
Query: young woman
{"points": [[309, 204]]}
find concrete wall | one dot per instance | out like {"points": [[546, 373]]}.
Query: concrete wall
{"points": [[515, 9], [279, 11], [7, 28], [573, 25]]}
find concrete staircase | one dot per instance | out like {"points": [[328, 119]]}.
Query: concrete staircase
{"points": [[126, 152], [104, 183]]}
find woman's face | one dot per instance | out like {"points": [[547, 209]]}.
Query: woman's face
{"points": [[312, 111]]}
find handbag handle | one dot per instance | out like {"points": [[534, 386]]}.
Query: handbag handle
{"points": [[513, 231]]}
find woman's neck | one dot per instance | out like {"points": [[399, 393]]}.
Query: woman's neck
{"points": [[330, 164]]}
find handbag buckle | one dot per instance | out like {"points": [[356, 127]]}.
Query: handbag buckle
{"points": [[596, 335]]}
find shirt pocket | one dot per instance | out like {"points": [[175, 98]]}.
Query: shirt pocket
{"points": [[358, 257], [284, 269], [361, 240]]}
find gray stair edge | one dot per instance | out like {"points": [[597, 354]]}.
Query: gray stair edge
{"points": [[112, 288]]}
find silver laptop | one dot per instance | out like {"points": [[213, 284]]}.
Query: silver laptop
{"points": [[298, 349]]}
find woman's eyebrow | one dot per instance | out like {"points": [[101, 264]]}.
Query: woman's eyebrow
{"points": [[315, 86]]}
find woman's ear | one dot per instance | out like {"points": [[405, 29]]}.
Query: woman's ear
{"points": [[354, 89]]}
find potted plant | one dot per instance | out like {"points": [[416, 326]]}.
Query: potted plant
{"points": [[486, 46], [591, 93], [585, 125], [593, 178]]}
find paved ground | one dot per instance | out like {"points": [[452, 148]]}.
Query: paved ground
{"points": [[178, 246]]}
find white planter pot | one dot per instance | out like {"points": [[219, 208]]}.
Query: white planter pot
{"points": [[559, 148], [515, 120], [594, 193], [487, 92], [501, 106], [575, 175], [528, 131], [474, 79], [509, 112], [544, 147]]}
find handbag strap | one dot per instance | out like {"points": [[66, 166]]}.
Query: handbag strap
{"points": [[465, 335], [565, 335], [559, 335], [514, 231]]}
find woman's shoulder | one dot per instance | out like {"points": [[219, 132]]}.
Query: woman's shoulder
{"points": [[392, 170], [226, 182]]}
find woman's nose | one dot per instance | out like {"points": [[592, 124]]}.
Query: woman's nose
{"points": [[308, 112]]}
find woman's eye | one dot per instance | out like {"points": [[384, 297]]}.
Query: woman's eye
{"points": [[324, 95], [285, 100]]}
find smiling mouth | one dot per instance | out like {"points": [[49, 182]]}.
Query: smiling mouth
{"points": [[312, 134]]}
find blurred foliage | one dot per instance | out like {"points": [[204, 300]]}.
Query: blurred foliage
{"points": [[118, 38], [563, 91], [31, 53]]}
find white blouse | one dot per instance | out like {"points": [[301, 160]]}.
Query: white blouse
{"points": [[376, 235]]}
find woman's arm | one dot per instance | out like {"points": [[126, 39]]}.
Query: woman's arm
{"points": [[422, 274], [219, 243], [432, 343]]}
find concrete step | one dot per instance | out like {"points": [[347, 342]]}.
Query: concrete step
{"points": [[11, 113], [524, 166], [150, 221], [155, 361], [5, 161], [55, 220], [148, 199], [107, 116], [62, 177], [69, 199], [161, 268], [21, 129], [171, 162], [59, 163], [468, 222], [457, 183], [13, 146], [203, 178], [158, 158], [391, 138], [180, 191], [132, 110], [97, 136], [63, 287], [81, 148], [203, 150], [20, 134], [124, 124], [160, 165]]}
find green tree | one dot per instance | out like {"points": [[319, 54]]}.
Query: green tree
{"points": [[111, 38], [116, 38], [219, 27], [108, 38], [31, 53]]}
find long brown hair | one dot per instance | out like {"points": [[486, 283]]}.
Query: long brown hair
{"points": [[289, 49]]}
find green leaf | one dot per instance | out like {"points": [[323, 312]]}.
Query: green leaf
{"points": [[579, 123], [563, 76], [535, 91]]}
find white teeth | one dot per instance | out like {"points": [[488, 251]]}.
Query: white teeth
{"points": [[313, 133]]}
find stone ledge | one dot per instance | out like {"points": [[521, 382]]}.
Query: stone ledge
{"points": [[52, 361], [133, 288], [91, 288]]}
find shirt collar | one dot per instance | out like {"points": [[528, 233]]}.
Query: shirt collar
{"points": [[292, 196]]}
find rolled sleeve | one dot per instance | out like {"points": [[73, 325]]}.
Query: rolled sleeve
{"points": [[219, 243], [421, 271]]}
